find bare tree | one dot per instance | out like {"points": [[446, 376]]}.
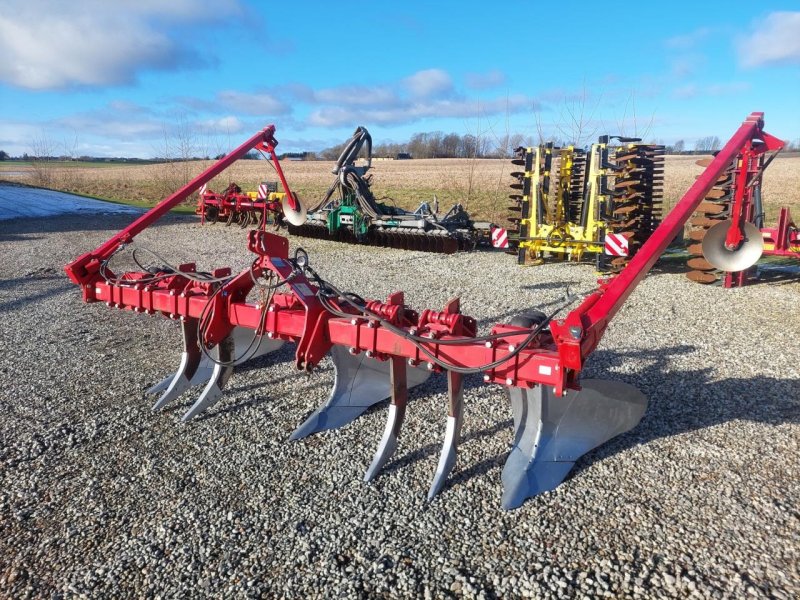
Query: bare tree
{"points": [[709, 144], [577, 120], [42, 149]]}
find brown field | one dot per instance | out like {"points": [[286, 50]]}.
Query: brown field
{"points": [[480, 185]]}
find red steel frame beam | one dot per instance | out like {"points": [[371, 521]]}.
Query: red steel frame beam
{"points": [[580, 333], [300, 317], [784, 239], [85, 266]]}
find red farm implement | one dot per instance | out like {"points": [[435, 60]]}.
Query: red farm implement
{"points": [[727, 230], [243, 208], [381, 349]]}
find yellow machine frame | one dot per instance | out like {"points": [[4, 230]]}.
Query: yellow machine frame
{"points": [[564, 238]]}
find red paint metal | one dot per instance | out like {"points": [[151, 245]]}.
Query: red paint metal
{"points": [[553, 359]]}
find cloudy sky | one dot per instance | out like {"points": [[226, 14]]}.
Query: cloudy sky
{"points": [[126, 78]]}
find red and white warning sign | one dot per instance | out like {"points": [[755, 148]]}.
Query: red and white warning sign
{"points": [[499, 237], [616, 244], [203, 189], [262, 191]]}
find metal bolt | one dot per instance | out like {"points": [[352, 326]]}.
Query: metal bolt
{"points": [[353, 351], [511, 347], [488, 344], [353, 321], [372, 324], [413, 331], [486, 378], [370, 353], [271, 308], [412, 362], [509, 381], [270, 335], [430, 366]]}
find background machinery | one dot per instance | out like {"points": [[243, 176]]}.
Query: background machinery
{"points": [[243, 208], [569, 202], [736, 199], [382, 348], [350, 212]]}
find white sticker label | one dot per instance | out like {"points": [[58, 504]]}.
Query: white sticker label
{"points": [[97, 291], [303, 289], [545, 370]]}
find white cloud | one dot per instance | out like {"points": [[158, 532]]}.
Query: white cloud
{"points": [[356, 95], [429, 83], [228, 124], [485, 81], [335, 116], [775, 40], [47, 44], [260, 103]]}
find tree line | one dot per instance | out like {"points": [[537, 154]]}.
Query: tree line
{"points": [[435, 144]]}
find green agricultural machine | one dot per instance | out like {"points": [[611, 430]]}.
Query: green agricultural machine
{"points": [[349, 212]]}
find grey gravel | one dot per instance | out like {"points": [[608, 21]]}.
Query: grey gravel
{"points": [[100, 497]]}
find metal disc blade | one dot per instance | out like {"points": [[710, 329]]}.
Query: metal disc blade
{"points": [[701, 276], [699, 263], [743, 257], [294, 216], [697, 234]]}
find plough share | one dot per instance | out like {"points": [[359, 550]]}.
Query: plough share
{"points": [[381, 349]]}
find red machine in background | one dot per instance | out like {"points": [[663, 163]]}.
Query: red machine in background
{"points": [[729, 223], [380, 349], [243, 208]]}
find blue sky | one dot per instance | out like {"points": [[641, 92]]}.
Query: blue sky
{"points": [[130, 78]]}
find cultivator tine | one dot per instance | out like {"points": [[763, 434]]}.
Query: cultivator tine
{"points": [[174, 385], [196, 368], [360, 382], [455, 418], [222, 355], [552, 432], [397, 412]]}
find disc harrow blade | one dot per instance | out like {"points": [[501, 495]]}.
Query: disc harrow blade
{"points": [[700, 264], [710, 208], [551, 433], [702, 276], [359, 382], [697, 234]]}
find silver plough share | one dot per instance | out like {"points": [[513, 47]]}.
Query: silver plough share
{"points": [[382, 349]]}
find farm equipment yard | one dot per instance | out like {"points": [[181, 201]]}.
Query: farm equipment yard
{"points": [[101, 496]]}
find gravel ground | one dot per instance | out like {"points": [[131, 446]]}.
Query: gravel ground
{"points": [[100, 497]]}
